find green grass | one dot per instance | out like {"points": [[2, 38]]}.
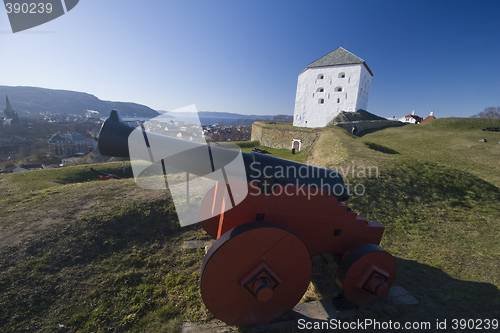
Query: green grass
{"points": [[452, 142], [285, 126], [110, 259], [106, 256], [299, 156], [442, 225], [247, 144], [43, 179], [109, 272], [438, 199]]}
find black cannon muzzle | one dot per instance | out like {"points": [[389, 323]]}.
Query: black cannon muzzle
{"points": [[201, 159]]}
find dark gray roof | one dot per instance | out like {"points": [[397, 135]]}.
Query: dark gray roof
{"points": [[8, 112], [339, 56], [359, 115], [67, 138]]}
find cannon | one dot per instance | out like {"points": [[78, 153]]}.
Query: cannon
{"points": [[104, 175], [268, 215]]}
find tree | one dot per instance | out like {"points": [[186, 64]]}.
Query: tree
{"points": [[21, 153], [491, 112], [40, 154]]}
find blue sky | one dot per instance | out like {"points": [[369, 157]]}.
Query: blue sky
{"points": [[244, 56]]}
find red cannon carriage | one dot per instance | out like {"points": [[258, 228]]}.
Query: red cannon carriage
{"points": [[259, 267]]}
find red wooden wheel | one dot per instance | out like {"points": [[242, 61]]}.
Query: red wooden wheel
{"points": [[254, 273], [366, 274]]}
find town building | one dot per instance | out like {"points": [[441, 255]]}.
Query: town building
{"points": [[338, 81], [429, 117], [412, 118], [69, 144], [92, 114], [23, 167]]}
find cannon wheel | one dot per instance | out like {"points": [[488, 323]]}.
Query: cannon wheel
{"points": [[366, 274], [254, 273]]}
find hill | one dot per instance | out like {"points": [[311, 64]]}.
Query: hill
{"points": [[435, 188], [452, 142], [210, 117], [226, 118], [107, 256], [32, 101]]}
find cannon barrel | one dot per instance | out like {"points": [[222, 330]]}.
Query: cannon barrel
{"points": [[119, 139], [104, 174]]}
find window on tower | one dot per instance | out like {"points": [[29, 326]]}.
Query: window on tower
{"points": [[320, 89], [338, 100], [321, 101], [342, 75], [321, 76], [338, 89]]}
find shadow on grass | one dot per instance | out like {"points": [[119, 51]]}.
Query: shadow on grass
{"points": [[418, 185], [373, 130], [440, 296], [81, 174], [446, 296], [97, 235], [380, 148]]}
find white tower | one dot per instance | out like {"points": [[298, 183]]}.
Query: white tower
{"points": [[339, 81]]}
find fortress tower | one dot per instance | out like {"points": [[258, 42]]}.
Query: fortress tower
{"points": [[339, 81]]}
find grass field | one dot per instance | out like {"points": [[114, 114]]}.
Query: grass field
{"points": [[437, 194], [78, 255]]}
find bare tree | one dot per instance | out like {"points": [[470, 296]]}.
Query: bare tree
{"points": [[490, 112]]}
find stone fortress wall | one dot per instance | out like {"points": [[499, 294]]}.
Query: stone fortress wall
{"points": [[282, 136]]}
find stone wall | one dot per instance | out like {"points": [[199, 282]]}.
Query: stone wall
{"points": [[281, 136]]}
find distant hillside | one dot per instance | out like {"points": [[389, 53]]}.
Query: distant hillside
{"points": [[31, 101], [207, 117], [211, 117]]}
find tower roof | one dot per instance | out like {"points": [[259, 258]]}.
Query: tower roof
{"points": [[9, 113], [339, 56]]}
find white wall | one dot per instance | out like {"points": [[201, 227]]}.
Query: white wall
{"points": [[408, 120], [365, 80], [354, 95]]}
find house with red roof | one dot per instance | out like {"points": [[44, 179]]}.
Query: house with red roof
{"points": [[429, 117], [412, 118]]}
